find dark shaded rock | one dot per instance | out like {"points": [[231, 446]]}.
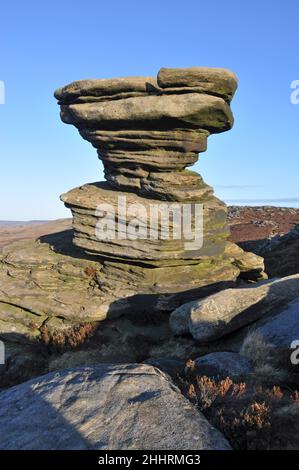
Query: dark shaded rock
{"points": [[22, 362], [219, 365], [282, 254], [171, 366], [283, 328]]}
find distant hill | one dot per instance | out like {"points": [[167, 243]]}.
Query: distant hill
{"points": [[15, 223], [11, 231]]}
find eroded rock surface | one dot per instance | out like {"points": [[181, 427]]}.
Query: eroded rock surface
{"points": [[51, 283]]}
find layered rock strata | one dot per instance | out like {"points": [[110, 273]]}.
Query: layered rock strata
{"points": [[146, 133]]}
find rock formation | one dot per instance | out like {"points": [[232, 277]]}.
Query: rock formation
{"points": [[147, 132]]}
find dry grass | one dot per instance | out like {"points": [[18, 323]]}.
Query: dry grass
{"points": [[272, 365], [257, 350], [251, 417], [70, 338]]}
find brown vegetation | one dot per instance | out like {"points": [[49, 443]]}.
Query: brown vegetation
{"points": [[256, 413], [70, 338], [251, 417]]}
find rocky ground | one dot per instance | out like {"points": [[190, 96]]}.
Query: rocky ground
{"points": [[229, 372]]}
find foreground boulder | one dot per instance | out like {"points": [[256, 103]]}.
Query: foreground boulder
{"points": [[103, 407], [231, 309]]}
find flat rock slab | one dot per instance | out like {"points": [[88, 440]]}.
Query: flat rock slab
{"points": [[105, 87], [189, 110], [103, 407]]}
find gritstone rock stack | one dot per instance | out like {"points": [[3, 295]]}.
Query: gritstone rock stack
{"points": [[147, 132]]}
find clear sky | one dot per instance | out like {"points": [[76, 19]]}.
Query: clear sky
{"points": [[48, 44]]}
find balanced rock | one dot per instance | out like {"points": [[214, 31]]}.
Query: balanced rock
{"points": [[150, 238], [145, 143]]}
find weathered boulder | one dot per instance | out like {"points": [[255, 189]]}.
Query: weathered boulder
{"points": [[219, 365], [251, 266], [231, 309], [103, 407]]}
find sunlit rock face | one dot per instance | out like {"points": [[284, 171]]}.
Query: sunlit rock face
{"points": [[147, 131]]}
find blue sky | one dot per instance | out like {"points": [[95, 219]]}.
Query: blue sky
{"points": [[46, 45]]}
